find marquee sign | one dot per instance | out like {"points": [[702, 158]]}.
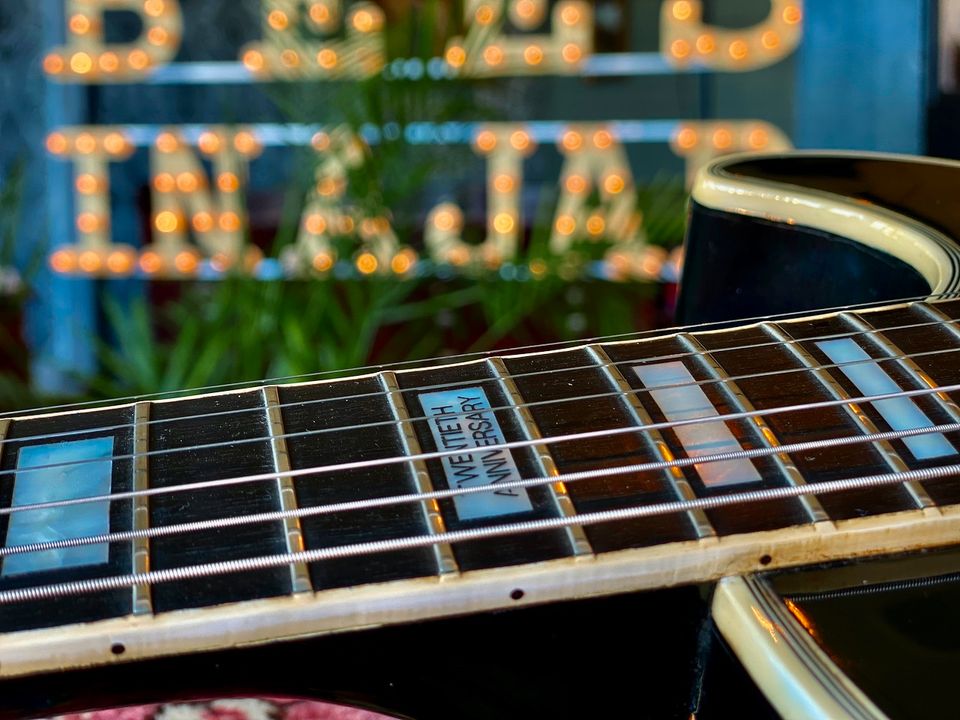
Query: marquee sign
{"points": [[198, 221]]}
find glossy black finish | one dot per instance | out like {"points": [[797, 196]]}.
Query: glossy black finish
{"points": [[738, 267]]}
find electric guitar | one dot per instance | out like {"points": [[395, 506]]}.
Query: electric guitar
{"points": [[738, 517]]}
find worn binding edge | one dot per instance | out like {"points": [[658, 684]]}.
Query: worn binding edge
{"points": [[345, 609]]}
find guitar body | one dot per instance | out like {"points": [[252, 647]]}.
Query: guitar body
{"points": [[659, 615]]}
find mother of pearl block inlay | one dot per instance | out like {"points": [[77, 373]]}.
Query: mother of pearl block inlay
{"points": [[679, 398], [60, 471], [900, 413]]}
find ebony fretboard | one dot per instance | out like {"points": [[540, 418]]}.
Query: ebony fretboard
{"points": [[464, 412]]}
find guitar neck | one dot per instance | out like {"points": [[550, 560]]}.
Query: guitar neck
{"points": [[298, 509]]}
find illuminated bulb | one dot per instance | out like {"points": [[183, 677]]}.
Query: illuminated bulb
{"points": [[202, 221], [327, 59], [166, 142], [368, 227], [120, 262], [57, 143], [109, 62], [157, 36], [53, 64], [572, 140], [602, 139], [87, 184], [680, 48], [115, 143], [503, 223], [229, 221], [687, 138], [320, 14], [89, 261], [682, 10], [614, 184], [526, 9], [290, 58], [576, 184], [365, 21], [228, 182], [792, 14], [538, 268], [209, 142], [327, 187], [151, 262], [315, 224], [320, 141], [444, 220], [166, 221], [486, 141], [154, 8], [138, 59], [533, 55], [706, 44], [596, 225], [456, 56], [504, 183], [346, 224], [88, 222], [403, 262], [738, 49], [485, 15], [164, 182], [278, 20], [367, 263], [187, 182], [322, 262], [253, 60], [85, 143], [770, 40], [722, 139], [493, 55], [565, 225], [570, 15], [79, 24], [520, 140], [458, 256], [81, 63], [571, 53], [63, 260], [246, 143], [758, 138], [186, 262]]}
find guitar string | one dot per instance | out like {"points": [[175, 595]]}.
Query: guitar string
{"points": [[508, 445], [433, 363], [619, 394], [262, 562], [454, 385], [435, 495]]}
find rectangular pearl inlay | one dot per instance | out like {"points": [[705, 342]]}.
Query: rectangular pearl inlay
{"points": [[900, 413], [76, 469], [687, 401]]}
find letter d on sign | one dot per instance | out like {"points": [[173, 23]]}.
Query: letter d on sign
{"points": [[87, 58]]}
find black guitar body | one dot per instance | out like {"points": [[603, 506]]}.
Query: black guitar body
{"points": [[764, 238]]}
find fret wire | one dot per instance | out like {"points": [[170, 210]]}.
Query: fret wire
{"points": [[379, 502], [675, 479], [588, 435], [891, 350], [890, 456], [5, 424], [610, 395], [940, 318], [576, 536], [419, 364], [142, 595], [447, 564], [286, 492], [440, 386], [41, 592], [764, 433]]}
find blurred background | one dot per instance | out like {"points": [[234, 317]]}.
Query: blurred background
{"points": [[200, 192]]}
